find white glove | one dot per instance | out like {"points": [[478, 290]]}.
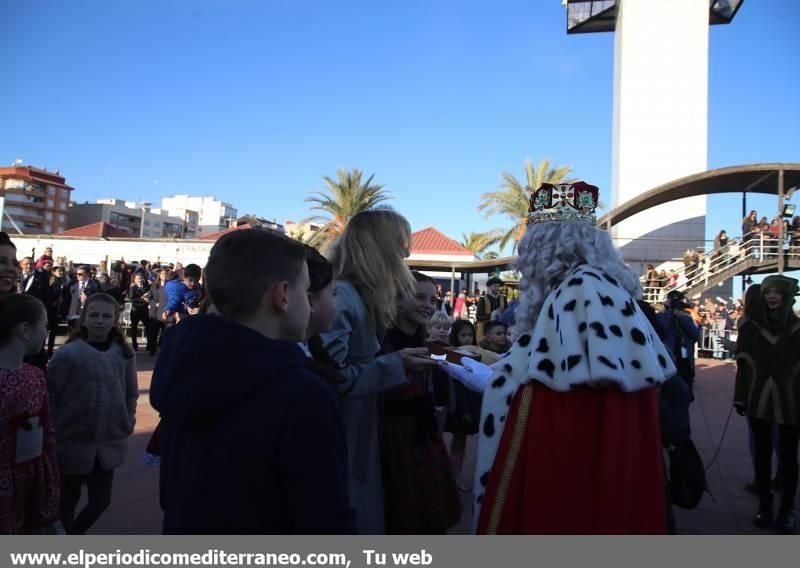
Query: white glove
{"points": [[473, 375]]}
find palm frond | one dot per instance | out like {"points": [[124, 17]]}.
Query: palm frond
{"points": [[508, 236], [512, 199], [477, 243], [343, 198]]}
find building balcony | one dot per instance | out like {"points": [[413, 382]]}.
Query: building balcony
{"points": [[29, 218], [27, 189], [23, 198]]}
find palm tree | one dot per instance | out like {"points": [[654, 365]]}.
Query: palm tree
{"points": [[477, 243], [301, 235], [513, 198], [341, 201]]}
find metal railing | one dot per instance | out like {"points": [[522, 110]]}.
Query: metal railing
{"points": [[737, 256], [715, 343]]}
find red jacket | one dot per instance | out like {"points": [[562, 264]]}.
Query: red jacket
{"points": [[42, 259]]}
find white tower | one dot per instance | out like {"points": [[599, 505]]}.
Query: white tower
{"points": [[660, 116]]}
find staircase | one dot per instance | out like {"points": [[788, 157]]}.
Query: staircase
{"points": [[758, 254]]}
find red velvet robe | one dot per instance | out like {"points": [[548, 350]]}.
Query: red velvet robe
{"points": [[588, 461]]}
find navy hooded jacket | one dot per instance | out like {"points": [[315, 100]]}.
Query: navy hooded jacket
{"points": [[252, 442]]}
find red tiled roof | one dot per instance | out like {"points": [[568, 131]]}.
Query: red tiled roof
{"points": [[218, 234], [96, 230], [431, 241]]}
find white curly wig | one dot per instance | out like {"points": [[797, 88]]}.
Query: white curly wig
{"points": [[548, 251]]}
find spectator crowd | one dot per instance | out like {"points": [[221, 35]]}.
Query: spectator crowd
{"points": [[299, 394], [151, 296]]}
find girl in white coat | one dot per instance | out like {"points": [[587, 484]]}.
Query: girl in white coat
{"points": [[93, 392]]}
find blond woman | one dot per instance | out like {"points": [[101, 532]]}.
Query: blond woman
{"points": [[369, 265]]}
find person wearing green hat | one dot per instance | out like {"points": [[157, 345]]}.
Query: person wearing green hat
{"points": [[767, 391]]}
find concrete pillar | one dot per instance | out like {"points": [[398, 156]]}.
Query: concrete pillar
{"points": [[660, 121]]}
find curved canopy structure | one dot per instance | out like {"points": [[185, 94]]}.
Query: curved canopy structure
{"points": [[750, 178]]}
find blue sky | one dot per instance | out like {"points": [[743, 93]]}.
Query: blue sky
{"points": [[254, 100]]}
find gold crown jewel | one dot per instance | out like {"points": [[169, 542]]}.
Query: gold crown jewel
{"points": [[564, 202]]}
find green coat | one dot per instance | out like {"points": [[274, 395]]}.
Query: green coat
{"points": [[768, 373]]}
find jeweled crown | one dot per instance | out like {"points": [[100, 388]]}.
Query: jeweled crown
{"points": [[564, 202]]}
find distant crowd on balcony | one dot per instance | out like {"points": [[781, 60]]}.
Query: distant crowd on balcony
{"points": [[760, 239], [755, 229]]}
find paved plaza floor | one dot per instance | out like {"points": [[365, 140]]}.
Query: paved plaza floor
{"points": [[135, 510]]}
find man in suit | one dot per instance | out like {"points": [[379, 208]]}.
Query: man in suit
{"points": [[82, 288], [33, 281]]}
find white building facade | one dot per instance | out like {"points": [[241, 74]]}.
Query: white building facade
{"points": [[212, 215], [136, 219]]}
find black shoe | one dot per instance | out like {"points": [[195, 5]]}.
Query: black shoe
{"points": [[763, 518], [785, 523], [752, 488]]}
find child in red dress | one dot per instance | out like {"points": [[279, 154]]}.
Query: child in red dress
{"points": [[29, 481], [420, 494]]}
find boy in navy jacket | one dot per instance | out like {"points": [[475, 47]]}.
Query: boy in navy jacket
{"points": [[252, 442]]}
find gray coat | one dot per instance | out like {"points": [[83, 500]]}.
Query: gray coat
{"points": [[158, 302], [93, 402], [354, 344]]}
